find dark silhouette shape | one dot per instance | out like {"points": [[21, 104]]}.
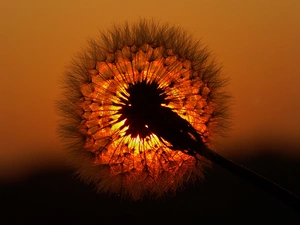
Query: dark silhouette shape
{"points": [[145, 115]]}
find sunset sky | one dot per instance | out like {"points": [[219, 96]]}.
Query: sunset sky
{"points": [[256, 42]]}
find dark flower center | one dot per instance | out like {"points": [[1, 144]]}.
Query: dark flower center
{"points": [[141, 107]]}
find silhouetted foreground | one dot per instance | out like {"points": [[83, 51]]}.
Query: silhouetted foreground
{"points": [[55, 197]]}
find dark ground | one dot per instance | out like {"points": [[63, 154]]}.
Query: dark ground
{"points": [[54, 197]]}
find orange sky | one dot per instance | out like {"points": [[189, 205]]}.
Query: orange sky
{"points": [[257, 42]]}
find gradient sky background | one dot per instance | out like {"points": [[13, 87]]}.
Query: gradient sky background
{"points": [[257, 42]]}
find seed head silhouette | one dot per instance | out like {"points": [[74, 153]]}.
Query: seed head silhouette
{"points": [[142, 104]]}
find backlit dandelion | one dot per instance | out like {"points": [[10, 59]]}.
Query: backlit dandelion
{"points": [[124, 96], [141, 105]]}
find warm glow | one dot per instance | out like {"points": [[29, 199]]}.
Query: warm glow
{"points": [[144, 100], [108, 140]]}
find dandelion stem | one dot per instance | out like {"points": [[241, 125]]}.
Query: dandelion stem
{"points": [[281, 193]]}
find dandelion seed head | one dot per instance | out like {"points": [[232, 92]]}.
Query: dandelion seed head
{"points": [[120, 89]]}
